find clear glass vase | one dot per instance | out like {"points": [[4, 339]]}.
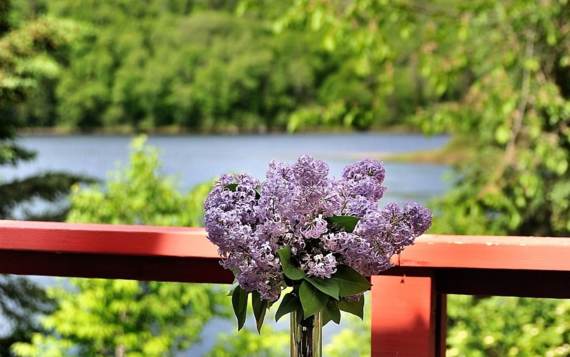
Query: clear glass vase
{"points": [[306, 335]]}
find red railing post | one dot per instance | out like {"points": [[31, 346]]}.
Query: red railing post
{"points": [[408, 317]]}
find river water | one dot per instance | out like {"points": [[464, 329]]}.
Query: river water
{"points": [[195, 159]]}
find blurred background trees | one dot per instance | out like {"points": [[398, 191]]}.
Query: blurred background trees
{"points": [[98, 317], [494, 75], [29, 56], [193, 65], [204, 66]]}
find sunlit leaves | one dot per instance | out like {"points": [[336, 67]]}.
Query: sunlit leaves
{"points": [[345, 223], [98, 314], [355, 307], [239, 303], [289, 269], [289, 303], [330, 287], [260, 307], [312, 300], [331, 312], [313, 295], [350, 281]]}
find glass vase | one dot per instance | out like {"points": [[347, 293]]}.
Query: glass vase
{"points": [[306, 335]]}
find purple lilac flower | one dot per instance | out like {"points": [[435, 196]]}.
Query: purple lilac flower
{"points": [[418, 217], [358, 206], [365, 168], [250, 221], [310, 172], [365, 178], [315, 229], [357, 252], [319, 265]]}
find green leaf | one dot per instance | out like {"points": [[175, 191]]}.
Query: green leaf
{"points": [[350, 281], [232, 187], [346, 223], [327, 286], [331, 312], [353, 307], [239, 303], [259, 309], [289, 303], [312, 300], [290, 271]]}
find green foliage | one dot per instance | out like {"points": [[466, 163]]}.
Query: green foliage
{"points": [[313, 295], [495, 75], [239, 303], [514, 112], [346, 223], [542, 327], [249, 343], [309, 295], [120, 317], [205, 66], [138, 194], [355, 307], [354, 340], [350, 281], [289, 303], [192, 65], [312, 300], [27, 54], [329, 287], [289, 269], [20, 299], [49, 186], [260, 308], [129, 318]]}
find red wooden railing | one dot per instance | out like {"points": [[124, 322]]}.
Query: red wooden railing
{"points": [[408, 302]]}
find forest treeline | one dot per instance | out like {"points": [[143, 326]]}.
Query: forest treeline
{"points": [[200, 66]]}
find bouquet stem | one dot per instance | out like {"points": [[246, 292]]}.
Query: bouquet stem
{"points": [[306, 335]]}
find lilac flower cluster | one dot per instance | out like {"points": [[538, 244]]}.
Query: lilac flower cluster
{"points": [[250, 221]]}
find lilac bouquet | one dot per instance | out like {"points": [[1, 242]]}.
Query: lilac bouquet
{"points": [[316, 236]]}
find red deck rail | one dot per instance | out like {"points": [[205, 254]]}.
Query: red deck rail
{"points": [[408, 302]]}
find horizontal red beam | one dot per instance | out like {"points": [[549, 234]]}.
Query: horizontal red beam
{"points": [[489, 252], [460, 264], [430, 251], [50, 237]]}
